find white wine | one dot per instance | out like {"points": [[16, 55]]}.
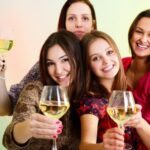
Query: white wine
{"points": [[5, 45], [120, 115], [52, 109]]}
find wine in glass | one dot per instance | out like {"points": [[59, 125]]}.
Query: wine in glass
{"points": [[54, 103], [6, 39], [121, 108]]}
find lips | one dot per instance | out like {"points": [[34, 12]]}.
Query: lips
{"points": [[108, 68], [63, 78], [79, 33], [142, 47]]}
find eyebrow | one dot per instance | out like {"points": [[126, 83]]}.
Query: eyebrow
{"points": [[58, 58], [108, 48]]}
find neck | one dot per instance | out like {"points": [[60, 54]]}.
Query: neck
{"points": [[107, 84], [139, 65]]}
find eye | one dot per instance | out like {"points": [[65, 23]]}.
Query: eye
{"points": [[71, 18], [85, 18], [110, 52], [95, 58], [138, 31], [65, 60], [49, 63]]}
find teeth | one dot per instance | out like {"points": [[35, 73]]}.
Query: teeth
{"points": [[108, 68], [142, 46]]}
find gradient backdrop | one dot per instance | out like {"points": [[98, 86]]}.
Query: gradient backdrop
{"points": [[33, 20]]}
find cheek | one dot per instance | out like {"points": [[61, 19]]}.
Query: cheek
{"points": [[51, 71], [69, 26], [94, 67]]}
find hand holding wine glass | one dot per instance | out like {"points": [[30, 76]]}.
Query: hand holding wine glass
{"points": [[6, 43], [121, 108], [54, 103], [6, 39]]}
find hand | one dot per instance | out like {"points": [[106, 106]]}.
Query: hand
{"points": [[2, 65], [136, 120], [113, 139], [45, 127]]}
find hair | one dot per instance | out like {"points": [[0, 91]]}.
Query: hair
{"points": [[92, 87], [71, 46], [63, 13], [145, 13]]}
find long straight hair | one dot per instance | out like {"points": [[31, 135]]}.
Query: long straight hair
{"points": [[71, 46], [92, 86], [145, 13], [63, 13]]}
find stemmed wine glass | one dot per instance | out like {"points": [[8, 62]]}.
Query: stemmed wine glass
{"points": [[54, 103], [121, 108], [6, 38]]}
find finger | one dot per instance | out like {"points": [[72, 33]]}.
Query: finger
{"points": [[41, 136], [45, 119], [46, 125]]}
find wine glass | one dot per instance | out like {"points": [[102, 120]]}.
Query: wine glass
{"points": [[54, 103], [6, 38], [121, 108]]}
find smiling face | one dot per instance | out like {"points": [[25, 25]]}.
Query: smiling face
{"points": [[103, 60], [79, 19], [58, 65], [140, 40]]}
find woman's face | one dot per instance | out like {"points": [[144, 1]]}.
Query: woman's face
{"points": [[140, 40], [103, 60], [79, 19], [58, 65]]}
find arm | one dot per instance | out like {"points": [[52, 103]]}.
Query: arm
{"points": [[5, 105], [89, 125], [112, 139], [26, 120]]}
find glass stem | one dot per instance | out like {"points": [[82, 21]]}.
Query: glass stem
{"points": [[120, 126], [54, 145]]}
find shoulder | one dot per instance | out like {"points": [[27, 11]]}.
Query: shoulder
{"points": [[92, 105], [31, 89], [126, 62]]}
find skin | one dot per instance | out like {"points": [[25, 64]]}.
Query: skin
{"points": [[79, 19], [40, 126], [103, 62], [105, 65], [58, 65], [140, 42]]}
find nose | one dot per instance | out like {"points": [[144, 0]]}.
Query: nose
{"points": [[144, 38], [78, 23], [105, 60], [58, 68]]}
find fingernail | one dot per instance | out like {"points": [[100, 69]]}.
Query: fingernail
{"points": [[61, 126], [54, 136], [59, 131], [57, 122]]}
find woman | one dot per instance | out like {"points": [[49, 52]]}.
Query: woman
{"points": [[60, 64], [77, 16], [137, 70], [104, 73]]}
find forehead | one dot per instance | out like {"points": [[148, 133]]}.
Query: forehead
{"points": [[55, 52], [79, 8], [98, 46], [144, 22]]}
